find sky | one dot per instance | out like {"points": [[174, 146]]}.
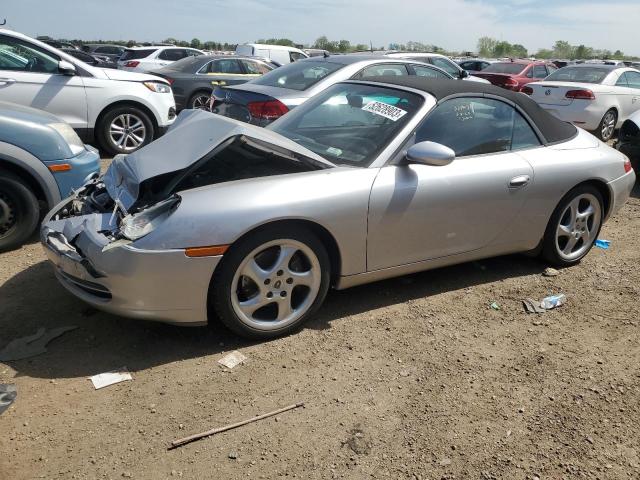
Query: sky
{"points": [[451, 24]]}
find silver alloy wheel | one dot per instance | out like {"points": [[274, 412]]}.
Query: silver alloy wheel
{"points": [[127, 131], [608, 125], [578, 226], [201, 102], [276, 284]]}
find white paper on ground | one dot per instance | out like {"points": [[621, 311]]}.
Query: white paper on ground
{"points": [[232, 359], [109, 378]]}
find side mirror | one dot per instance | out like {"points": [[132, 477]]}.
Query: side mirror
{"points": [[464, 74], [66, 68], [430, 153]]}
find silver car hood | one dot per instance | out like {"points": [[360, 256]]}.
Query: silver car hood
{"points": [[192, 136]]}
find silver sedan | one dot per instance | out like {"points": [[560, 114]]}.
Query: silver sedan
{"points": [[367, 180]]}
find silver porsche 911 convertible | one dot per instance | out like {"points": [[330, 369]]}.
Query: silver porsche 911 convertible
{"points": [[367, 180]]}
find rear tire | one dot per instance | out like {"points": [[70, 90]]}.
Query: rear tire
{"points": [[19, 211], [607, 126], [574, 226], [200, 101], [271, 282], [124, 129]]}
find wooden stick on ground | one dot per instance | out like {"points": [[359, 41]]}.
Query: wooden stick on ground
{"points": [[198, 436]]}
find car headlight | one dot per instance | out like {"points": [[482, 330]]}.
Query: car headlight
{"points": [[158, 87], [140, 224], [70, 136]]}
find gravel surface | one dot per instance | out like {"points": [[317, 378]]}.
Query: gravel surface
{"points": [[410, 378]]}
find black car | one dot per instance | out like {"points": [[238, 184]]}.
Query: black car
{"points": [[193, 78], [475, 65], [94, 60], [112, 52]]}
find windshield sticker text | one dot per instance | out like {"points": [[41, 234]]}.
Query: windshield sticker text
{"points": [[385, 110]]}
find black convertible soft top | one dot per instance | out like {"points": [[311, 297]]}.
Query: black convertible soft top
{"points": [[553, 129]]}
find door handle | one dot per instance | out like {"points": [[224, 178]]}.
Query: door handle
{"points": [[7, 81], [519, 181]]}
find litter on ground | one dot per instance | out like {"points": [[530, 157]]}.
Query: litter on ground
{"points": [[532, 306], [232, 359], [8, 394], [604, 244], [32, 345], [110, 378], [553, 301]]}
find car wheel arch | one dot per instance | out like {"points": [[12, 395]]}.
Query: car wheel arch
{"points": [[323, 234], [129, 103], [36, 176]]}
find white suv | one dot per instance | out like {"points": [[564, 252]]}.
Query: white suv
{"points": [[122, 111], [143, 59]]}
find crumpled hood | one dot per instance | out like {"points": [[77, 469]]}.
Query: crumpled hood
{"points": [[193, 135]]}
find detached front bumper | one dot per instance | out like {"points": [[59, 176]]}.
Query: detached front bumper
{"points": [[160, 285]]}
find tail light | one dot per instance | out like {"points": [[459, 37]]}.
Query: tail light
{"points": [[527, 90], [627, 165], [580, 95], [132, 64], [170, 80], [511, 84], [269, 110]]}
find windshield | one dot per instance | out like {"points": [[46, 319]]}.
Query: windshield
{"points": [[579, 74], [136, 54], [508, 68], [350, 124], [299, 75]]}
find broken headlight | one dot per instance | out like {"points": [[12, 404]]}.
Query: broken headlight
{"points": [[137, 225]]}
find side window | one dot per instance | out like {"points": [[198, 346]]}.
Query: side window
{"points": [[193, 53], [622, 81], [551, 69], [384, 70], [422, 71], [633, 79], [539, 71], [529, 73], [18, 55], [226, 65], [172, 54], [293, 56], [255, 68], [447, 65], [476, 126]]}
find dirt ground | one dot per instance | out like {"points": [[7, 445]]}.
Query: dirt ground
{"points": [[410, 378]]}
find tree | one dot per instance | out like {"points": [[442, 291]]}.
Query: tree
{"points": [[361, 47], [544, 53], [618, 54], [486, 45], [582, 52], [563, 49], [502, 49], [519, 51], [344, 46], [196, 43], [170, 40]]}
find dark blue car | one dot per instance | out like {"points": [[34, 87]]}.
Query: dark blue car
{"points": [[42, 160]]}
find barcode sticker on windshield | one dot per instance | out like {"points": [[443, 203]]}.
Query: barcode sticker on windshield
{"points": [[385, 110]]}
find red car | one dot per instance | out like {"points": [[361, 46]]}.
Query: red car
{"points": [[513, 75]]}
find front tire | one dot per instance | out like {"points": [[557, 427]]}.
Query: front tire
{"points": [[19, 211], [124, 130], [271, 282], [574, 226], [607, 126]]}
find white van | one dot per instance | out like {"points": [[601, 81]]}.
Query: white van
{"points": [[277, 53]]}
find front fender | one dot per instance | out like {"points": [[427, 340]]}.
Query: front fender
{"points": [[34, 167], [337, 199]]}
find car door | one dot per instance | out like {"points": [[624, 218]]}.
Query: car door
{"points": [[632, 93], [427, 71], [227, 71], [446, 65], [29, 76], [420, 212]]}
